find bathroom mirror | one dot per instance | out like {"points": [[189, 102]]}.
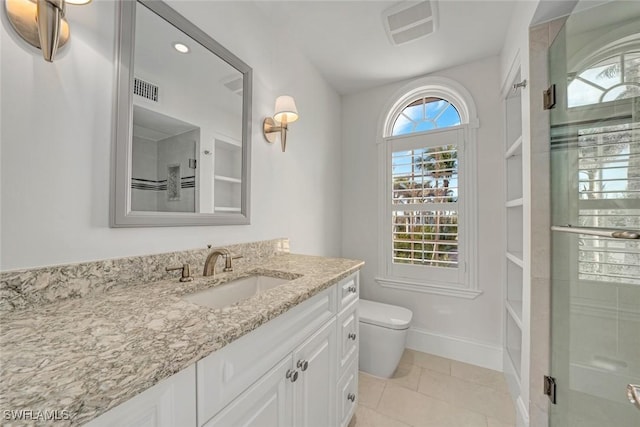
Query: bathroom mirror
{"points": [[183, 124]]}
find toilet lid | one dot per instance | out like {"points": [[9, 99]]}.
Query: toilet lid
{"points": [[385, 315]]}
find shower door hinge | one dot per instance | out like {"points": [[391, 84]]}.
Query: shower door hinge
{"points": [[550, 388], [549, 97]]}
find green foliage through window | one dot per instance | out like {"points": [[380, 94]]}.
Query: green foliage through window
{"points": [[425, 211]]}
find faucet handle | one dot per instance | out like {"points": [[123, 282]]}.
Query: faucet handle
{"points": [[186, 272], [227, 261]]}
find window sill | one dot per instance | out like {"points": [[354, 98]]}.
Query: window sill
{"points": [[428, 288]]}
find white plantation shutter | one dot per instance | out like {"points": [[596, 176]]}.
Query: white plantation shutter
{"points": [[425, 183], [425, 206]]}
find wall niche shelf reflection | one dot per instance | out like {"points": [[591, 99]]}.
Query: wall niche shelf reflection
{"points": [[227, 178]]}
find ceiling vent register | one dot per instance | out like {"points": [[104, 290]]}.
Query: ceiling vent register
{"points": [[234, 84], [408, 21], [145, 89]]}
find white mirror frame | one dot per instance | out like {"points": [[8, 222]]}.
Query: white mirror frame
{"points": [[121, 214]]}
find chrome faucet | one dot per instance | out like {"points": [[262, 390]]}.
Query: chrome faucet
{"points": [[210, 263]]}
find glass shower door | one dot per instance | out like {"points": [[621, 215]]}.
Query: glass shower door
{"points": [[595, 199]]}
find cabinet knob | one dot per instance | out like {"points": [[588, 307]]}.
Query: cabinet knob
{"points": [[352, 336], [292, 375], [351, 397], [352, 289], [303, 365]]}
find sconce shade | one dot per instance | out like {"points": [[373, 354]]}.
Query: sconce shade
{"points": [[285, 110]]}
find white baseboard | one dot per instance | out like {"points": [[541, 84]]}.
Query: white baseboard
{"points": [[456, 348], [522, 416]]}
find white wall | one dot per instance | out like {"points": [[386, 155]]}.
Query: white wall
{"points": [[57, 133], [447, 319]]}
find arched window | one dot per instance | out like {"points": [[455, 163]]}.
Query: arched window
{"points": [[426, 113], [614, 78], [428, 157]]}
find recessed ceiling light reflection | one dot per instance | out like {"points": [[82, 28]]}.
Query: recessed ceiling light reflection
{"points": [[181, 47]]}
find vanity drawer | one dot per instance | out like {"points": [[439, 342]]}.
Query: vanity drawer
{"points": [[348, 337], [348, 291], [347, 395], [226, 373]]}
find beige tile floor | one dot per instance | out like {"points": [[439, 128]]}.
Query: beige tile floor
{"points": [[430, 391]]}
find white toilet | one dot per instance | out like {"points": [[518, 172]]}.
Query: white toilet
{"points": [[383, 333]]}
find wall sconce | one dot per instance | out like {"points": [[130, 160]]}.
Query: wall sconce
{"points": [[285, 113], [41, 23]]}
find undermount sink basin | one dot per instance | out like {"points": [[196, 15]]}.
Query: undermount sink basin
{"points": [[234, 291]]}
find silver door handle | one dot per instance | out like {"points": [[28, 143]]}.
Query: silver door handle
{"points": [[633, 393]]}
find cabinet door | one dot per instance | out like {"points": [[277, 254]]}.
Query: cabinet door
{"points": [[347, 395], [348, 343], [267, 403], [171, 402], [315, 360]]}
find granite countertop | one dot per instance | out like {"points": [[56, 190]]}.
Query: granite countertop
{"points": [[90, 354]]}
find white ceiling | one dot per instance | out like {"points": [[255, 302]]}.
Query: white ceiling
{"points": [[347, 42], [157, 61]]}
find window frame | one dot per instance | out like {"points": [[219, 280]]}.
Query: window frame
{"points": [[453, 136], [422, 278]]}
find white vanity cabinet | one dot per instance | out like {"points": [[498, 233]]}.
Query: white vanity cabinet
{"points": [[313, 347], [170, 403], [226, 373], [299, 369], [296, 392]]}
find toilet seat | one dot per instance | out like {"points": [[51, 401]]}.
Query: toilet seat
{"points": [[384, 315]]}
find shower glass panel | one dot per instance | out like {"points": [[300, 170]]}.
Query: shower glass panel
{"points": [[595, 182]]}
